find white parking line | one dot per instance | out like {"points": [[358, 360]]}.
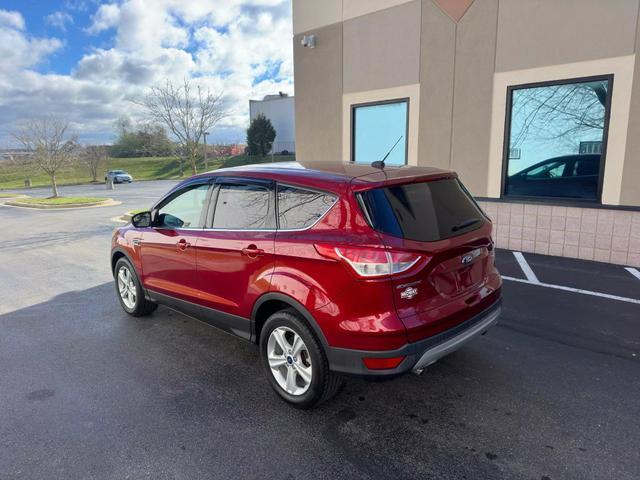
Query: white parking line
{"points": [[526, 269], [633, 272], [574, 290]]}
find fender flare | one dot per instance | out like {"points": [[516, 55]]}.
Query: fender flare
{"points": [[293, 303], [122, 252]]}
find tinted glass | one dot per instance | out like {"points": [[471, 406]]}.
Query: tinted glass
{"points": [[547, 170], [184, 211], [426, 212], [376, 128], [563, 123], [299, 208], [244, 207]]}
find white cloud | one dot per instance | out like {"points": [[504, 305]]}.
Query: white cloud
{"points": [[19, 50], [59, 20], [240, 47], [106, 17], [11, 19]]}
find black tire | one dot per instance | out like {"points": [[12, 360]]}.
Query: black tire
{"points": [[142, 306], [324, 383]]}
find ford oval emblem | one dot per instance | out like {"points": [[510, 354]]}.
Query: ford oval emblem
{"points": [[467, 259]]}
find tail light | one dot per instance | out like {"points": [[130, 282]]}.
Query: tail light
{"points": [[371, 262]]}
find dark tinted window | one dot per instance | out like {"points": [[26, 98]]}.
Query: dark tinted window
{"points": [[585, 166], [426, 211], [299, 208], [242, 206], [554, 124]]}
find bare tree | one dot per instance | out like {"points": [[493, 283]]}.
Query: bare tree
{"points": [[94, 157], [123, 125], [186, 113], [560, 114], [52, 145]]}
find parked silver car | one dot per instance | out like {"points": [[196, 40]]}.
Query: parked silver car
{"points": [[118, 176]]}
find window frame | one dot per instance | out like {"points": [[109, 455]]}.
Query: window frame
{"points": [[155, 210], [355, 106], [507, 141], [335, 196], [213, 201]]}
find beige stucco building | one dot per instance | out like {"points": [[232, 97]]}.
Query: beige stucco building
{"points": [[535, 103]]}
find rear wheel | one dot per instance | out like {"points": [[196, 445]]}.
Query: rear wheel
{"points": [[294, 361], [130, 292]]}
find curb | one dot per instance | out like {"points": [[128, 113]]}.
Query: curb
{"points": [[124, 218], [105, 203], [17, 195]]}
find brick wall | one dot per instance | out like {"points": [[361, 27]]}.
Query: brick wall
{"points": [[611, 236]]}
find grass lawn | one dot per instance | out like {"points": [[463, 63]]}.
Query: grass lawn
{"points": [[145, 168], [61, 200], [9, 195]]}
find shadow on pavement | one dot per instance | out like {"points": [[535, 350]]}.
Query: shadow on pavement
{"points": [[87, 391]]}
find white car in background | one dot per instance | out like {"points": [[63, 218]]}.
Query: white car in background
{"points": [[118, 176]]}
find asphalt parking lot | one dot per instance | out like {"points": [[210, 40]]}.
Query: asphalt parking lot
{"points": [[88, 392]]}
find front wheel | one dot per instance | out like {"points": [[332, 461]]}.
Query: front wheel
{"points": [[130, 292], [294, 361]]}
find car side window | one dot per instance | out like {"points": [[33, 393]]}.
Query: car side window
{"points": [[185, 209], [548, 170], [300, 208], [244, 207], [585, 168]]}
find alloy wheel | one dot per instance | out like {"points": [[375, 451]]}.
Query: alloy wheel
{"points": [[289, 361], [127, 287]]}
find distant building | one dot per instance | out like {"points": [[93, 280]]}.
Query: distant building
{"points": [[280, 110], [226, 150]]}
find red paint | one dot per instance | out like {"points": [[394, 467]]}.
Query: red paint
{"points": [[216, 270], [382, 363], [229, 279]]}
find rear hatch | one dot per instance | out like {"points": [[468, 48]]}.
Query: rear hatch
{"points": [[439, 221]]}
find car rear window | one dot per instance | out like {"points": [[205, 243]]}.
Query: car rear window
{"points": [[300, 208], [426, 211]]}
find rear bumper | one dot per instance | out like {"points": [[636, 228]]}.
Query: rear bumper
{"points": [[418, 355]]}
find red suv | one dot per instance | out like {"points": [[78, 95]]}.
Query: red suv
{"points": [[331, 269]]}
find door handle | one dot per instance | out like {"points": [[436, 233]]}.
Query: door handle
{"points": [[252, 251], [183, 244]]}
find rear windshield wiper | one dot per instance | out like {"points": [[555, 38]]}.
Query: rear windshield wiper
{"points": [[464, 224]]}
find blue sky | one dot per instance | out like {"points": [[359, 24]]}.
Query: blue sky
{"points": [[42, 19], [86, 60]]}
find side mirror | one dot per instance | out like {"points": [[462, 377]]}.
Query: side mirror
{"points": [[141, 220]]}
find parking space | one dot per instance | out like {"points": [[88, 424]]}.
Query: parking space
{"points": [[593, 276], [88, 392], [596, 279]]}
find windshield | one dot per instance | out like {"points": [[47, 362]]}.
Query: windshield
{"points": [[426, 211]]}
